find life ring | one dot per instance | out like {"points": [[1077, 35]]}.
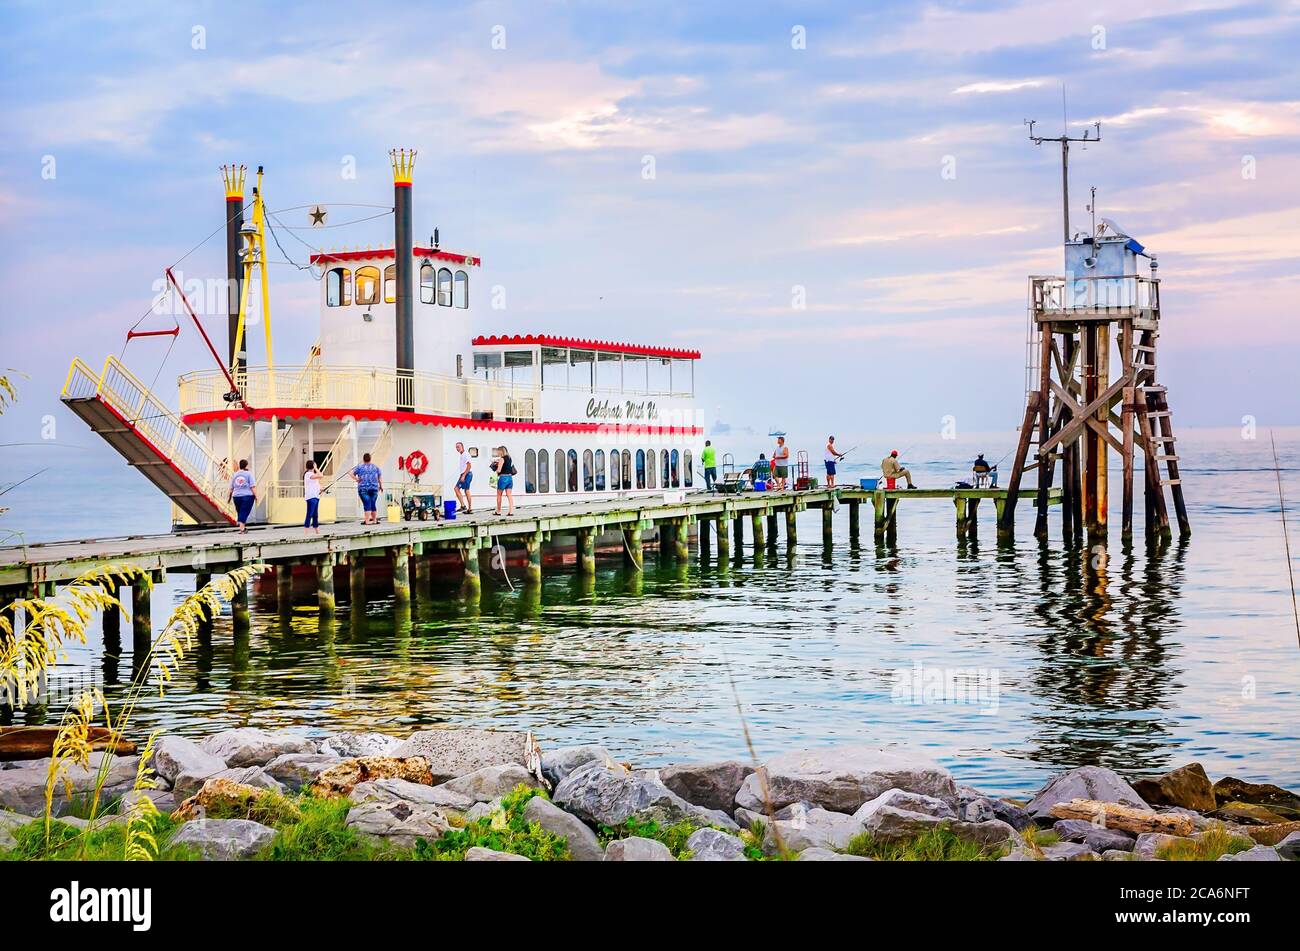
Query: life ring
{"points": [[417, 463]]}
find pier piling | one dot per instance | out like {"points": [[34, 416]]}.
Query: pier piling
{"points": [[402, 573], [791, 532], [472, 585], [854, 520], [586, 551], [423, 573], [633, 556], [201, 580], [239, 618], [828, 525], [325, 585], [756, 526], [533, 570], [112, 622], [141, 616], [723, 533], [284, 587], [681, 541], [357, 580]]}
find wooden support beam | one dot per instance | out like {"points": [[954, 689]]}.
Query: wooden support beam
{"points": [[325, 601], [1007, 519], [423, 574], [828, 525], [586, 551], [239, 617], [756, 526], [681, 542], [771, 528], [142, 616], [471, 587], [791, 530], [201, 580], [111, 622], [855, 524], [1047, 462], [533, 546], [738, 530], [357, 580], [723, 533], [960, 504], [633, 557], [1157, 513], [1126, 429], [1083, 416], [402, 574], [284, 587]]}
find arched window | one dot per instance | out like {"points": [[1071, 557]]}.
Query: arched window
{"points": [[367, 285], [627, 468], [426, 284], [338, 287], [615, 470], [560, 479], [675, 470], [530, 471], [461, 294], [573, 470], [390, 284], [651, 471], [588, 472], [690, 468], [543, 471], [444, 287], [640, 468], [600, 470]]}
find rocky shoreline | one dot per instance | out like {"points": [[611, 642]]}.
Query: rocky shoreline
{"points": [[239, 794]]}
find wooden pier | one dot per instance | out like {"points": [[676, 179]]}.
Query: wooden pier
{"points": [[406, 547]]}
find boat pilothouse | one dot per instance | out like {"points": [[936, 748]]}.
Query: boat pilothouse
{"points": [[398, 373]]}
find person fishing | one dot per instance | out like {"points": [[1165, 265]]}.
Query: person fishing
{"points": [[830, 458], [780, 463], [980, 470], [311, 494], [709, 459], [243, 492], [370, 482], [891, 469]]}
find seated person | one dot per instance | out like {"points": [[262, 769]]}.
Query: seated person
{"points": [[890, 468]]}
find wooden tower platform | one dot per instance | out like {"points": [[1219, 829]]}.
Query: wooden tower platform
{"points": [[1094, 388]]}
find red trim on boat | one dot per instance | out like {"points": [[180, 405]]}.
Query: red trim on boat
{"points": [[429, 419], [331, 256], [605, 346]]}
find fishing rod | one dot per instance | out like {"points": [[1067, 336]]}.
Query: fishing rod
{"points": [[28, 479]]}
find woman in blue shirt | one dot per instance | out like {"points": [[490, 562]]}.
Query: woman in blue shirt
{"points": [[369, 484], [243, 492]]}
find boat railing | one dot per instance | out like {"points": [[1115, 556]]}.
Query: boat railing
{"points": [[1115, 296], [351, 388]]}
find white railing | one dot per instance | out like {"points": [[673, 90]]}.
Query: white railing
{"points": [[185, 449], [357, 388], [1126, 294]]}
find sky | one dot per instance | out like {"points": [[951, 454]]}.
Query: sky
{"points": [[837, 203]]}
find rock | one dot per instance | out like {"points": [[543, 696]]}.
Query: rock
{"points": [[22, 790], [887, 824], [452, 753], [7, 840], [826, 855], [1067, 852], [224, 839], [1289, 848], [842, 778], [249, 746], [399, 822], [814, 828], [558, 764], [746, 819], [1199, 822], [480, 854], [400, 790], [296, 770], [1281, 801], [583, 844], [226, 795], [907, 802], [339, 780], [1097, 838], [492, 782], [1149, 843], [349, 745], [174, 755], [1270, 835], [163, 800], [1085, 782], [983, 809], [1018, 855], [1116, 855], [1260, 853], [254, 776], [710, 785], [1248, 813], [990, 834], [1187, 786], [710, 845], [637, 849], [600, 795], [14, 820], [482, 810]]}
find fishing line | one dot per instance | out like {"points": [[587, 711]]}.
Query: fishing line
{"points": [[28, 479], [500, 551]]}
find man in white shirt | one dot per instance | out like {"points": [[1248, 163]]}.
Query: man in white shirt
{"points": [[464, 476]]}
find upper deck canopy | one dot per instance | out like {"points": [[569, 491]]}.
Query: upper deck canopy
{"points": [[577, 343]]}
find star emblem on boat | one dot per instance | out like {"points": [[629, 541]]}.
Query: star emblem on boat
{"points": [[318, 215]]}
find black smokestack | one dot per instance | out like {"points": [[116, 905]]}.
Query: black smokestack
{"points": [[233, 176], [403, 242]]}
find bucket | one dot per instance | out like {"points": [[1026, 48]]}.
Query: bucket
{"points": [[869, 484], [449, 509], [760, 486]]}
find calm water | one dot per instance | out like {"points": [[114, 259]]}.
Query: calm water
{"points": [[1138, 661]]}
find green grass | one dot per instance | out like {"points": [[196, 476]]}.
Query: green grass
{"points": [[104, 843], [1206, 848], [933, 845], [674, 836]]}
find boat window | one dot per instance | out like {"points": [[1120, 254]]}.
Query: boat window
{"points": [[573, 470], [560, 479], [519, 366], [674, 470], [582, 365], [652, 474], [444, 287], [426, 283], [390, 284], [555, 366], [338, 287], [461, 296], [588, 472], [367, 285], [615, 470], [600, 470], [640, 468], [660, 375], [543, 471], [530, 470], [680, 373], [627, 468], [689, 479]]}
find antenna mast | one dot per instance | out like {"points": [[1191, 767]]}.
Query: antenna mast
{"points": [[1089, 135]]}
